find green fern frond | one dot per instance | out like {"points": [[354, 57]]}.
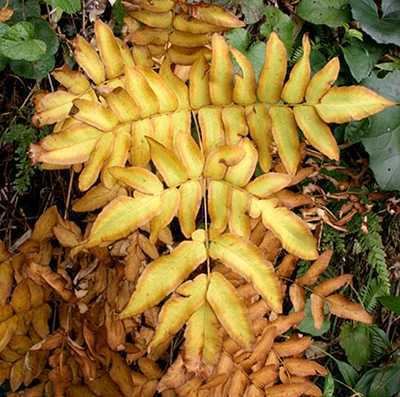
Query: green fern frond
{"points": [[371, 243], [333, 239], [296, 54], [370, 293]]}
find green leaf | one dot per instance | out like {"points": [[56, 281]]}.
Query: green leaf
{"points": [[68, 6], [391, 302], [23, 9], [28, 50], [256, 54], [390, 7], [118, 13], [361, 58], [3, 62], [20, 31], [351, 338], [44, 32], [252, 10], [329, 386], [240, 39], [382, 137], [349, 374], [364, 384], [34, 70], [386, 382], [307, 325], [280, 23], [333, 13], [357, 58], [19, 43], [385, 29], [4, 28]]}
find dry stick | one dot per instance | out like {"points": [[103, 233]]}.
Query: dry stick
{"points": [[67, 204], [204, 188]]}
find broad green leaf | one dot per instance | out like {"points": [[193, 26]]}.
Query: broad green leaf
{"points": [[164, 275], [252, 10], [247, 260], [177, 310], [68, 6], [364, 383], [20, 43], [3, 62], [351, 338], [386, 382], [40, 68], [241, 39], [391, 302], [381, 134], [229, 309], [358, 59], [307, 325], [349, 374], [34, 70], [385, 29], [23, 10], [361, 55], [280, 23], [329, 386], [19, 32], [256, 56], [333, 13], [44, 32]]}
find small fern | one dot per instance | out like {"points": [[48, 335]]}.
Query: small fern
{"points": [[371, 292], [21, 136], [296, 54], [334, 240], [371, 243]]}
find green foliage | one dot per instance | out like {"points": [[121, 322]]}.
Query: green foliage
{"points": [[68, 6], [333, 13], [118, 13], [18, 42], [351, 338], [277, 21], [241, 39], [252, 10], [329, 386], [307, 325], [371, 292], [334, 240], [381, 136], [391, 302], [21, 136], [349, 374], [361, 57], [370, 240], [380, 382], [385, 29], [27, 43]]}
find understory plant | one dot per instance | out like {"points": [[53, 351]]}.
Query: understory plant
{"points": [[207, 303]]}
